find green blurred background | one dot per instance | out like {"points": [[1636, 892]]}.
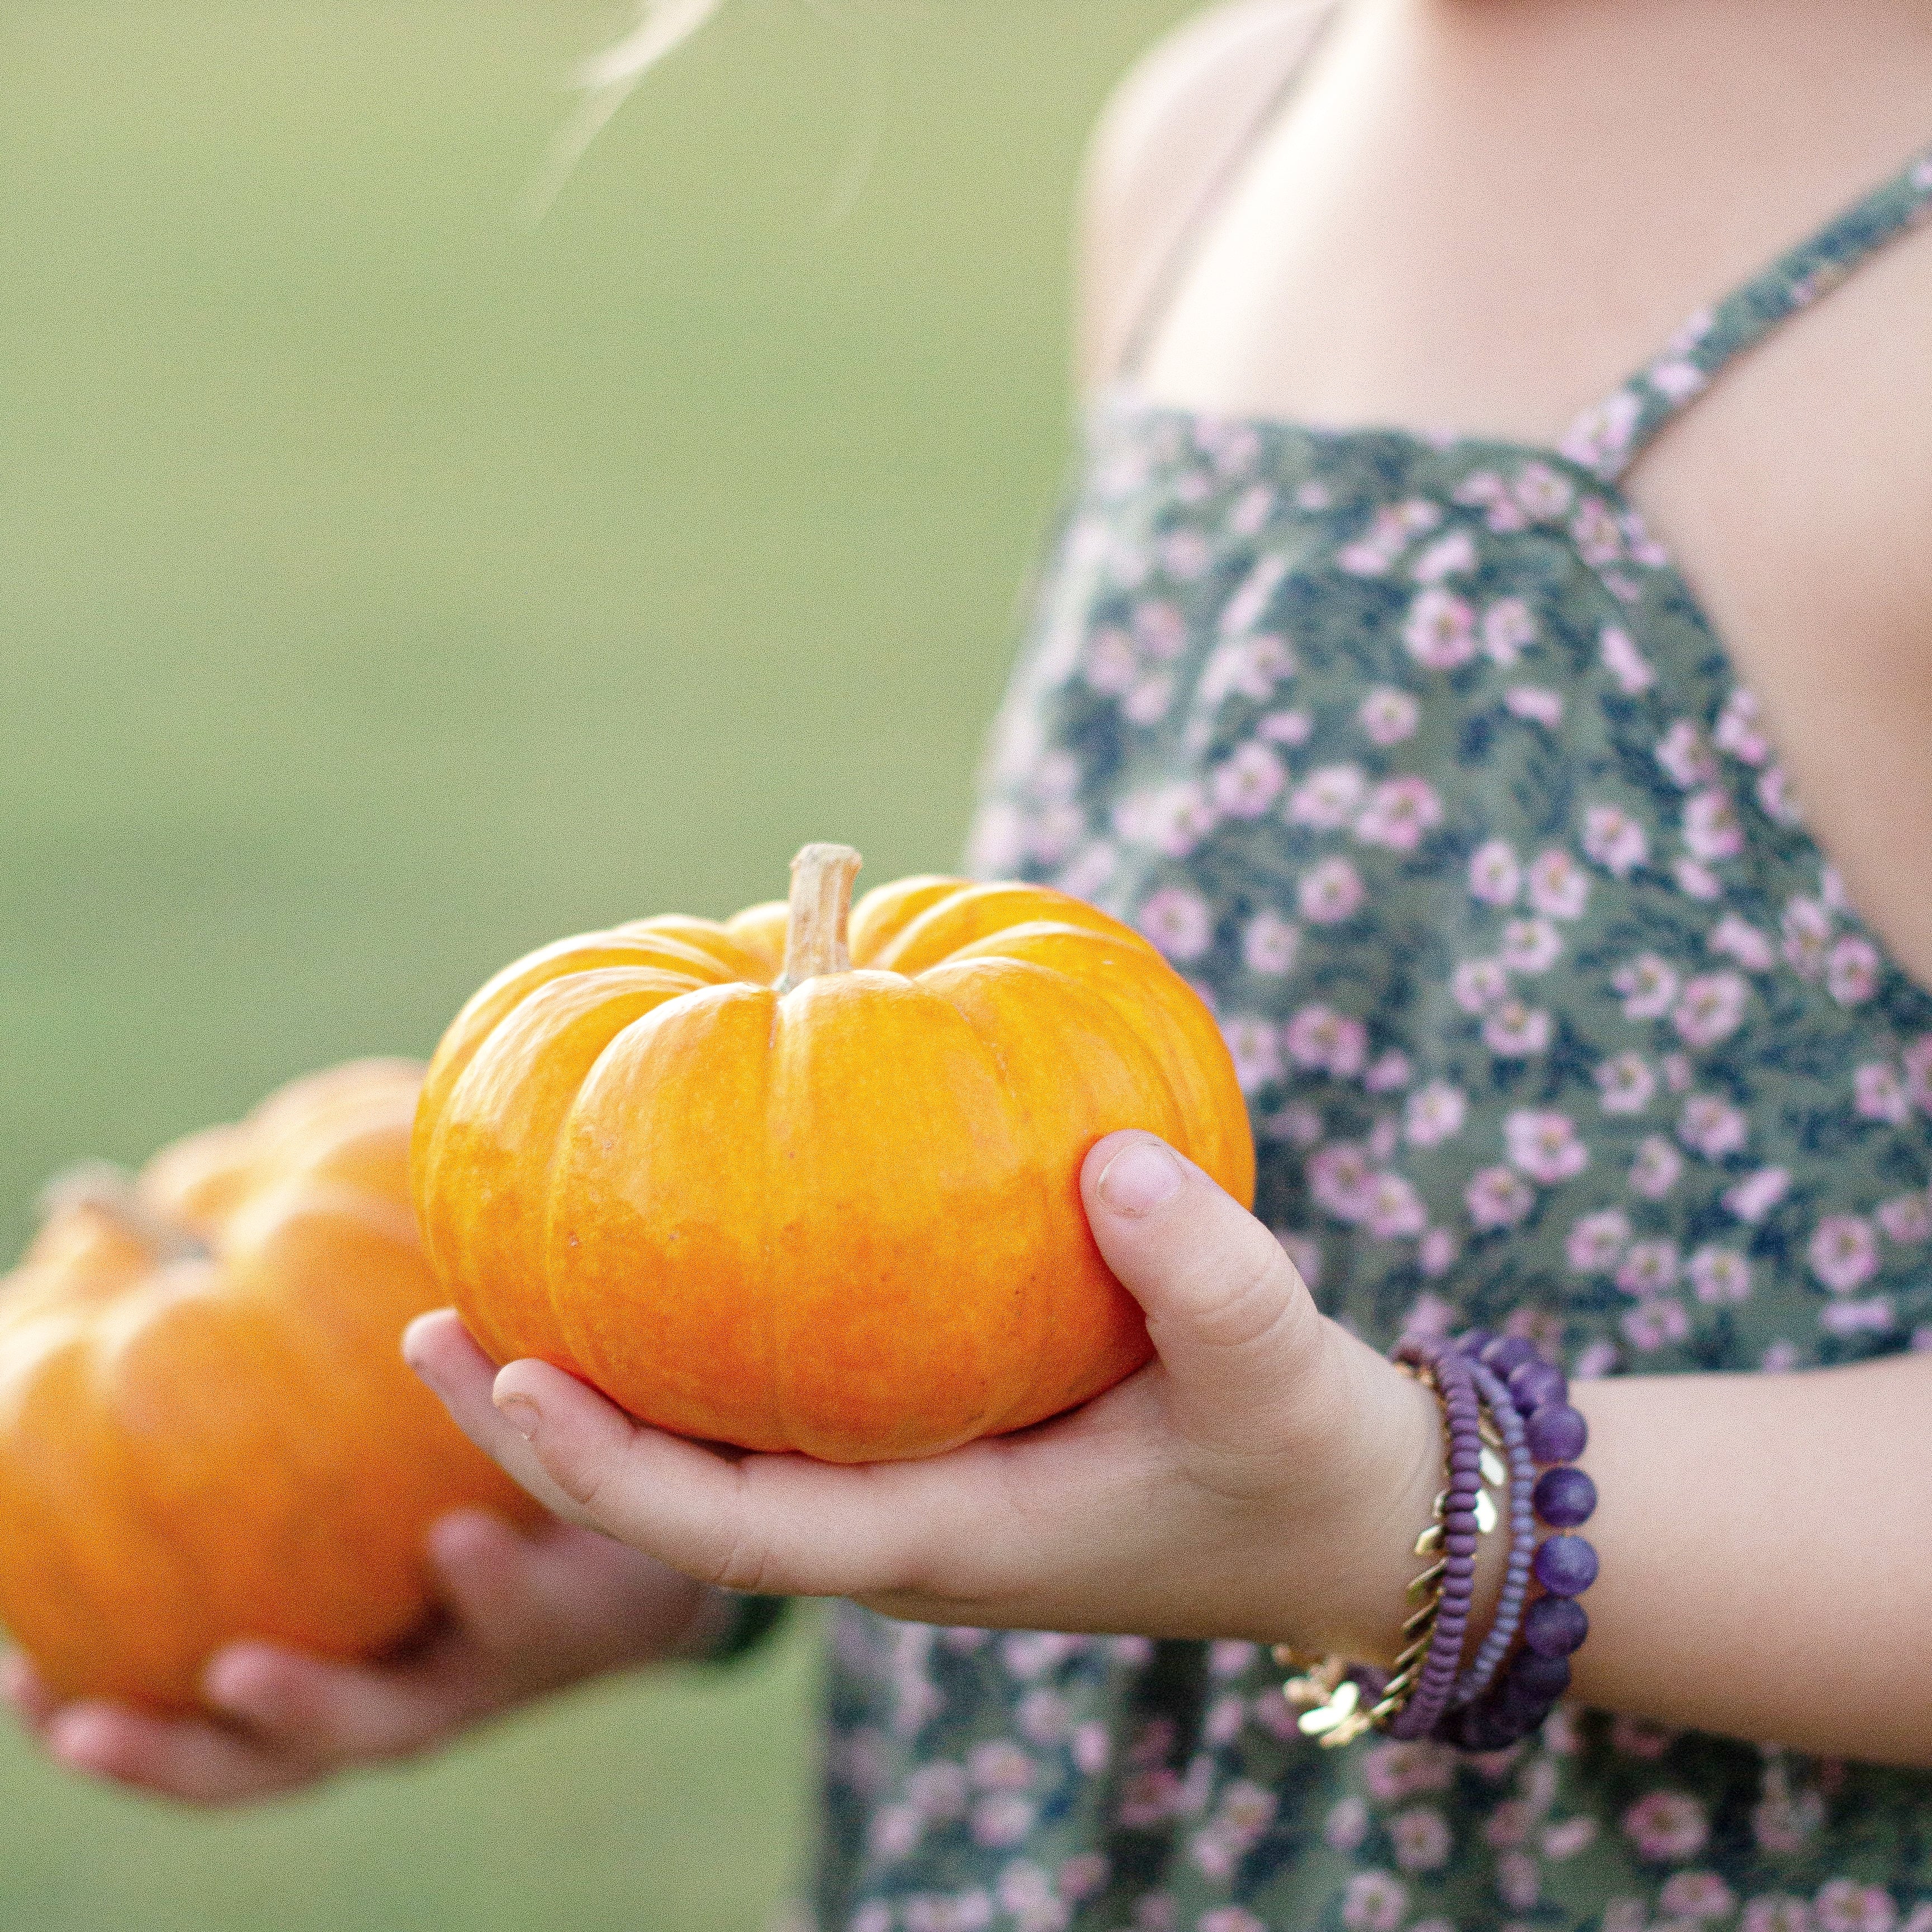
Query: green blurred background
{"points": [[388, 587]]}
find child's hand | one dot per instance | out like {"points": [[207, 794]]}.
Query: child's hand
{"points": [[1265, 1477], [523, 1614]]}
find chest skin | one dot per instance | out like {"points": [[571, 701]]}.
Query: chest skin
{"points": [[1477, 216]]}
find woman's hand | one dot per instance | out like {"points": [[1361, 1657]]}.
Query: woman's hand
{"points": [[523, 1614], [1266, 1476]]}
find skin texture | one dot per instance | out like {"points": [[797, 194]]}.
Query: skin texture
{"points": [[1520, 200]]}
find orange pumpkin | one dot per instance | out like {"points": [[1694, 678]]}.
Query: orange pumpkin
{"points": [[766, 1187], [206, 1431]]}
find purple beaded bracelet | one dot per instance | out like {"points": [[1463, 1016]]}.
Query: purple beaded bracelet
{"points": [[1522, 1470], [1554, 1625]]}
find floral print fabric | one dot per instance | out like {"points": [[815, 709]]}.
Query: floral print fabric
{"points": [[1420, 759]]}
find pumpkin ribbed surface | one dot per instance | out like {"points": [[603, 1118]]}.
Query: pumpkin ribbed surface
{"points": [[206, 1431], [765, 1192]]}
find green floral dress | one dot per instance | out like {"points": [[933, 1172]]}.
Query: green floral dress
{"points": [[1419, 758]]}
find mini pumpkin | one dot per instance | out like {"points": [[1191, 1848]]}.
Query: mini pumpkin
{"points": [[206, 1430], [791, 1184]]}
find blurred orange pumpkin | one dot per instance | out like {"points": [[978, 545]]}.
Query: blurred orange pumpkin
{"points": [[206, 1430], [765, 1187]]}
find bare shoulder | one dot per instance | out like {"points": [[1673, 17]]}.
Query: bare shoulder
{"points": [[1182, 114]]}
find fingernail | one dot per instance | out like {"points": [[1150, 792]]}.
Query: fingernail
{"points": [[1139, 1177], [520, 1413]]}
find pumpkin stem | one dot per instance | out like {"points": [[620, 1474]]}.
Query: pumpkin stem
{"points": [[109, 1190], [821, 903]]}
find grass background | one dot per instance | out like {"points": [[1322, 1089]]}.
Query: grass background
{"points": [[388, 588]]}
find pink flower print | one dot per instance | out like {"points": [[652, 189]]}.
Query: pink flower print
{"points": [[1003, 1819], [1390, 1074], [1756, 1194], [1567, 1836], [1544, 1147], [1616, 840], [1421, 1838], [893, 1832], [1667, 1824], [1710, 1009], [1737, 730], [1807, 926], [1450, 556], [1600, 437], [1686, 759], [1329, 799], [1495, 876], [1160, 629], [1734, 939], [1641, 1738], [1598, 535], [1557, 885], [1508, 1824], [1597, 1240], [1440, 630], [963, 1912], [1172, 818], [1400, 812], [1874, 1317], [1330, 892], [1777, 1913], [1919, 1073], [1184, 555], [1251, 510], [1299, 1125], [873, 1917], [1508, 630], [1625, 1084], [1347, 1824], [1396, 1211], [1535, 706], [1677, 381], [1056, 832], [1516, 1031], [1649, 987], [1696, 880], [1246, 667], [1531, 945], [1374, 1901], [1248, 782], [1712, 829], [1843, 1905], [1720, 1277], [1109, 663], [1178, 923], [1092, 1748], [1851, 973], [1026, 1892], [1322, 1040], [1285, 727], [1341, 1181], [1498, 1197], [1147, 703], [1907, 1220], [1778, 797], [1228, 1657], [1627, 665], [1543, 494], [1881, 1094], [1598, 1359], [1844, 1252], [1712, 1127], [1649, 1269], [1697, 1896], [1435, 1114], [937, 1791], [1655, 1171], [1519, 1880], [1087, 873], [1255, 1048], [1082, 1876], [1270, 945], [1388, 716], [1438, 1251]]}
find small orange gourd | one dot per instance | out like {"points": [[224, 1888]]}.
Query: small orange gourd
{"points": [[771, 1183], [206, 1430]]}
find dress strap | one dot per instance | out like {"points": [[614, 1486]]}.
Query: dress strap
{"points": [[1608, 436]]}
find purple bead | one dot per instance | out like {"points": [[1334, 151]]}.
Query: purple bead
{"points": [[1555, 1626], [1537, 1384], [1475, 1342], [1486, 1728], [1566, 1566], [1509, 1354], [1557, 1434], [1564, 1497], [1540, 1677]]}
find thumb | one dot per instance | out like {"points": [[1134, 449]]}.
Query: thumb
{"points": [[1231, 1319]]}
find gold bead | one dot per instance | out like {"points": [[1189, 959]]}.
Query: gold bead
{"points": [[1496, 1470], [1486, 1513]]}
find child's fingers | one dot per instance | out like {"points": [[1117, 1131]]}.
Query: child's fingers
{"points": [[194, 1762], [488, 1573], [1234, 1324], [30, 1700], [332, 1714], [443, 1353], [781, 1524]]}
